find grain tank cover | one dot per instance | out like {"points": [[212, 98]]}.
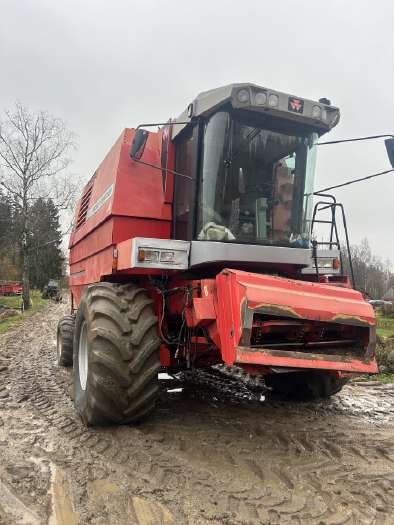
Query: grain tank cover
{"points": [[319, 115]]}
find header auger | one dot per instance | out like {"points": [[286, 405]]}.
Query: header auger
{"points": [[193, 246]]}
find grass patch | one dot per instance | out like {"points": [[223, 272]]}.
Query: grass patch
{"points": [[385, 332], [383, 378], [384, 326], [16, 302]]}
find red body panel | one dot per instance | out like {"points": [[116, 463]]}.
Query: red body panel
{"points": [[117, 210], [237, 290], [298, 360]]}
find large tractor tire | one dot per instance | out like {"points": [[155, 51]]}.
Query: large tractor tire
{"points": [[314, 384], [116, 355], [65, 337]]}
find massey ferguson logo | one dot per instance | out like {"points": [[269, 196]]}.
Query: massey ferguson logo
{"points": [[296, 105]]}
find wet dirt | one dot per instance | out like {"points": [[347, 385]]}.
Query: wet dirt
{"points": [[218, 450]]}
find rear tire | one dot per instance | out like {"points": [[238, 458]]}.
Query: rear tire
{"points": [[315, 384], [65, 337], [116, 355]]}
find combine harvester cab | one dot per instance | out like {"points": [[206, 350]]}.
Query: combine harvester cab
{"points": [[195, 245]]}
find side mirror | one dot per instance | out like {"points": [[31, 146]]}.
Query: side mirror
{"points": [[139, 143], [389, 143]]}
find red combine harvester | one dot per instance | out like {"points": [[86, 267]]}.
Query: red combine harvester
{"points": [[10, 288], [194, 246]]}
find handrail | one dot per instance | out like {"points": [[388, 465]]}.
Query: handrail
{"points": [[323, 205]]}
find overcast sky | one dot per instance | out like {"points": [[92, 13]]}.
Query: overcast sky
{"points": [[103, 66]]}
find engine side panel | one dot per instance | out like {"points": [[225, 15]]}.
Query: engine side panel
{"points": [[114, 207]]}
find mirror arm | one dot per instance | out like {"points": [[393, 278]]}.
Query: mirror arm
{"points": [[352, 181], [168, 123], [167, 170], [389, 143], [371, 137]]}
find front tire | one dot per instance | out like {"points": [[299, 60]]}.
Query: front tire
{"points": [[314, 384], [116, 355]]}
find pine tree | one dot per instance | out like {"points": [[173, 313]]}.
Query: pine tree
{"points": [[46, 260], [8, 269]]}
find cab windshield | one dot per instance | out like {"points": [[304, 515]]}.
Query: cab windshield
{"points": [[256, 182]]}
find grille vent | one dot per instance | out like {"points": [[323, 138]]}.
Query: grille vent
{"points": [[83, 208]]}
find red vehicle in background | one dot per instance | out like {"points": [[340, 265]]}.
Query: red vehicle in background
{"points": [[10, 288]]}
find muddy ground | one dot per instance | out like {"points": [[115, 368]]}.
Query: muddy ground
{"points": [[215, 452]]}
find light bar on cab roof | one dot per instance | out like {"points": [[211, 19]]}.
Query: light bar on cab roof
{"points": [[266, 100], [251, 97]]}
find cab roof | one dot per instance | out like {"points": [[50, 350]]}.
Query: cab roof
{"points": [[248, 96]]}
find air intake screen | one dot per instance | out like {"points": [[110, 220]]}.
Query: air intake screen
{"points": [[83, 208]]}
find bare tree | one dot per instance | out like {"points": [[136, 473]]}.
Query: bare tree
{"points": [[34, 154], [372, 275]]}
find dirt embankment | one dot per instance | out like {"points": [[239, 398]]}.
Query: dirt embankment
{"points": [[215, 452]]}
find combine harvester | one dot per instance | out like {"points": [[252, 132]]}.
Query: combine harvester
{"points": [[193, 245]]}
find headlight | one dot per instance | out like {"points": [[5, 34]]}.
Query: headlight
{"points": [[273, 100], [316, 112], [260, 98], [167, 257], [243, 96], [148, 255]]}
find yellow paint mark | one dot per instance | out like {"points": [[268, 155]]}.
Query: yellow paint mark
{"points": [[277, 307], [151, 513], [103, 487], [347, 317], [62, 511]]}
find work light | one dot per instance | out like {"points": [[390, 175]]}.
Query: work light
{"points": [[243, 95], [273, 100], [316, 112], [260, 98]]}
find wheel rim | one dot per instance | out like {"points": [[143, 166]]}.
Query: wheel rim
{"points": [[83, 356]]}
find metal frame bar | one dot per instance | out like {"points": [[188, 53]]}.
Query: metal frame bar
{"points": [[323, 205]]}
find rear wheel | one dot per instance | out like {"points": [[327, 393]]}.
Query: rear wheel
{"points": [[64, 344], [314, 384], [116, 355]]}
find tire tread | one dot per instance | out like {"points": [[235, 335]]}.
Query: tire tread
{"points": [[124, 356], [65, 331]]}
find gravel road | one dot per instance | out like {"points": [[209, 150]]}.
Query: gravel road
{"points": [[215, 452]]}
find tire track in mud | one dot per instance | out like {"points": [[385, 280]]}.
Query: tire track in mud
{"points": [[41, 389], [213, 453]]}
